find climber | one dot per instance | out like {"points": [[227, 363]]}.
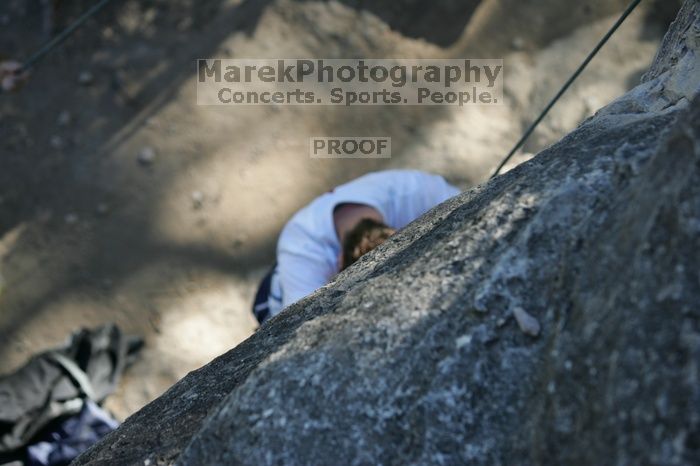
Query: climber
{"points": [[12, 77], [337, 228]]}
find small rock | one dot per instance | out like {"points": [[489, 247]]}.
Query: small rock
{"points": [[56, 142], [64, 118], [71, 219], [185, 24], [518, 43], [464, 340], [146, 156], [85, 78], [102, 208], [197, 199], [528, 324]]}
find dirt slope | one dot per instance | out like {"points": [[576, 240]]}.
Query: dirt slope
{"points": [[172, 250]]}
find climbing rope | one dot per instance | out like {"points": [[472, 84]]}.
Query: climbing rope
{"points": [[58, 40], [566, 86]]}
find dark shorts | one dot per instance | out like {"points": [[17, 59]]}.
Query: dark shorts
{"points": [[261, 305]]}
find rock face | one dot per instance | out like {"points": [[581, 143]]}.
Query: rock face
{"points": [[551, 316]]}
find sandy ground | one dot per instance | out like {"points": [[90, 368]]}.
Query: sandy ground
{"points": [[172, 250]]}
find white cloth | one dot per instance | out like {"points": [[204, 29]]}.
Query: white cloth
{"points": [[308, 247]]}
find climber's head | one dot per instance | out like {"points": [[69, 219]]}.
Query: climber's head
{"points": [[365, 236]]}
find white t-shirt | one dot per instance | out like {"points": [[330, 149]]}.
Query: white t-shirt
{"points": [[308, 247]]}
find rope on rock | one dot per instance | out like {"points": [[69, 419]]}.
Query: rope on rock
{"points": [[566, 85]]}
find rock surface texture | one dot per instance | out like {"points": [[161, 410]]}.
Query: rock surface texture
{"points": [[551, 316]]}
